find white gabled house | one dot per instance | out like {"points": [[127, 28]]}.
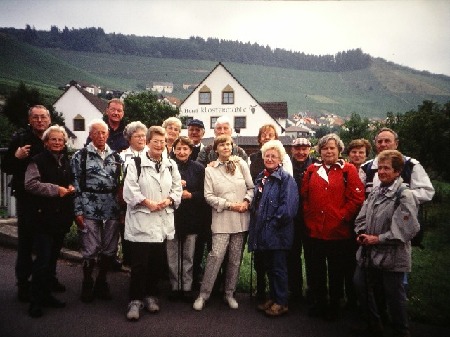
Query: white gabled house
{"points": [[78, 108], [221, 94]]}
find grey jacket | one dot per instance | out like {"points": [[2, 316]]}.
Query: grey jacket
{"points": [[395, 227]]}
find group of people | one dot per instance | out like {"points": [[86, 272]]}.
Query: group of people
{"points": [[169, 198]]}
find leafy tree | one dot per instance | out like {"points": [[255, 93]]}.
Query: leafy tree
{"points": [[145, 107], [6, 130], [19, 102], [425, 134], [355, 128]]}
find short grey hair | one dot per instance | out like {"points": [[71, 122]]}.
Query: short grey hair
{"points": [[172, 120], [274, 144], [331, 136], [222, 120], [38, 106], [55, 128], [97, 121], [132, 128]]}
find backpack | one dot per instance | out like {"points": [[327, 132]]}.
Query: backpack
{"points": [[406, 176], [416, 241]]}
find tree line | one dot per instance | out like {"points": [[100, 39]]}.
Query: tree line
{"points": [[212, 49]]}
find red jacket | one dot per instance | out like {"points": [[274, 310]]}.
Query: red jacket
{"points": [[330, 206]]}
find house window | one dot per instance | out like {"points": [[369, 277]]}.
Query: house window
{"points": [[213, 122], [78, 123], [240, 123], [228, 95], [204, 96]]}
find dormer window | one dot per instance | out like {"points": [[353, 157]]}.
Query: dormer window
{"points": [[79, 123], [204, 96], [228, 95]]}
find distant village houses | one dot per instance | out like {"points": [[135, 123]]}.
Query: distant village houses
{"points": [[161, 87]]}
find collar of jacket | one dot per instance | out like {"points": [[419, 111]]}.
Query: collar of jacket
{"points": [[91, 148], [217, 162], [340, 163], [393, 188]]}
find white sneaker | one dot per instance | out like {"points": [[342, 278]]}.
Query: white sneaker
{"points": [[232, 303], [199, 303], [133, 310], [151, 304]]}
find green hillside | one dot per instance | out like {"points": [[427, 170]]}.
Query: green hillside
{"points": [[371, 92]]}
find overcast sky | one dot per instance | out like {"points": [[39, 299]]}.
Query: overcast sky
{"points": [[410, 33]]}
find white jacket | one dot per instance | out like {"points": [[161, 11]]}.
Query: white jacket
{"points": [[141, 224]]}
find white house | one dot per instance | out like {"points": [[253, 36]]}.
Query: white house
{"points": [[221, 94], [161, 87], [78, 108]]}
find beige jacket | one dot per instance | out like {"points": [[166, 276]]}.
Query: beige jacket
{"points": [[221, 189]]}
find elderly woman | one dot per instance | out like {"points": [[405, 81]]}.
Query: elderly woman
{"points": [[385, 226], [172, 125], [134, 133], [229, 191], [152, 196], [180, 250], [332, 194], [49, 180], [266, 133], [271, 228]]}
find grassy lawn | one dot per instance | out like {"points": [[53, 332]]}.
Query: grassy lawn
{"points": [[429, 290]]}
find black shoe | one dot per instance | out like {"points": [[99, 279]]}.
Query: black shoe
{"points": [[87, 291], [35, 310], [116, 265], [58, 287], [174, 295], [53, 302], [317, 311], [101, 290], [188, 296], [23, 292]]}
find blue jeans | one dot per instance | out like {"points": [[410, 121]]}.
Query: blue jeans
{"points": [[275, 262]]}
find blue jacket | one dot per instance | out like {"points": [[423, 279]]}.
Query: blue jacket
{"points": [[272, 212]]}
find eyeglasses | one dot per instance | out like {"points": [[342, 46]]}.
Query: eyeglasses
{"points": [[39, 118], [271, 156], [138, 136], [162, 142]]}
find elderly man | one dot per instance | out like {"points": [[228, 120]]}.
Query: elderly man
{"points": [[97, 169], [24, 145], [222, 127], [116, 141], [196, 131], [301, 159], [413, 173], [114, 114]]}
